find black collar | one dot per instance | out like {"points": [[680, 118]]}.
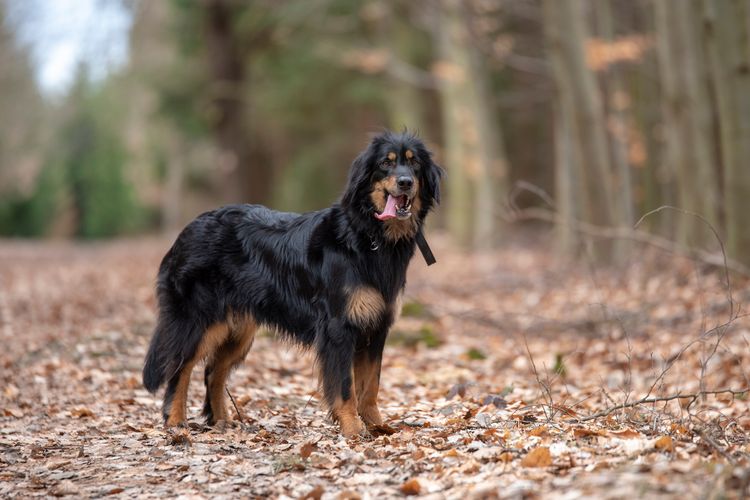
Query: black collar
{"points": [[424, 248], [429, 258]]}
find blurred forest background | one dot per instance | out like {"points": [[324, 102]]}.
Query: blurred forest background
{"points": [[585, 114]]}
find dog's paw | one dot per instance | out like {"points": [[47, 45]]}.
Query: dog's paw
{"points": [[351, 427], [371, 415]]}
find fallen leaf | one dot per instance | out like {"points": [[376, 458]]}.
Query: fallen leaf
{"points": [[313, 494], [81, 412], [470, 467], [581, 432], [497, 401], [349, 495], [539, 431], [483, 419], [625, 434], [11, 391], [457, 390], [411, 487], [664, 443], [306, 450], [64, 488], [538, 457], [381, 430]]}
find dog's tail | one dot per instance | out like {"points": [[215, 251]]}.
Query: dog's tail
{"points": [[173, 343], [155, 368]]}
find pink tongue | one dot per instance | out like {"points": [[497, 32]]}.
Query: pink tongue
{"points": [[389, 212]]}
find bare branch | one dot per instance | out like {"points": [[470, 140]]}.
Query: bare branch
{"points": [[693, 396], [631, 234], [716, 235], [234, 403]]}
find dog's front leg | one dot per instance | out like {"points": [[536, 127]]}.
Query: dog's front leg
{"points": [[336, 360], [367, 378]]}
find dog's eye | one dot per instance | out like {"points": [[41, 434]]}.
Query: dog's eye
{"points": [[388, 163]]}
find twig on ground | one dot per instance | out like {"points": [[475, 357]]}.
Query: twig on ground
{"points": [[544, 385], [234, 403], [713, 444], [693, 396]]}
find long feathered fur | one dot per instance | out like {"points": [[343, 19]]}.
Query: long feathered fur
{"points": [[291, 272]]}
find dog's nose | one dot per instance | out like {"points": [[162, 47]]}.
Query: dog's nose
{"points": [[405, 182]]}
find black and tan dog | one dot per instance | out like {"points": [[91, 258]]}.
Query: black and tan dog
{"points": [[330, 280]]}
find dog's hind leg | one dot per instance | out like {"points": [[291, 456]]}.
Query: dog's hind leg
{"points": [[175, 397], [174, 408], [228, 355]]}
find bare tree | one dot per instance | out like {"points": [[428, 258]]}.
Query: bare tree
{"points": [[727, 37], [687, 122], [247, 180], [475, 153], [566, 35]]}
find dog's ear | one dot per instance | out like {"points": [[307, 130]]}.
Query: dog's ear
{"points": [[433, 174], [358, 177]]}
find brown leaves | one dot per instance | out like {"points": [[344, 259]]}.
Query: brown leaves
{"points": [[537, 457], [625, 434], [584, 432], [306, 450], [179, 436], [411, 487], [81, 412], [381, 430], [665, 444], [459, 425], [12, 412], [64, 488], [314, 494]]}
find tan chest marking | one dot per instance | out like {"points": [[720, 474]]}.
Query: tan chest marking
{"points": [[365, 306]]}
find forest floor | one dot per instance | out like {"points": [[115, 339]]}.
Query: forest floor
{"points": [[492, 382]]}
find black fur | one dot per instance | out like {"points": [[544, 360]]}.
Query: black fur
{"points": [[291, 272]]}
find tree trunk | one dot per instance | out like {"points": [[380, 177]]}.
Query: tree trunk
{"points": [[618, 119], [455, 115], [566, 36], [405, 101], [727, 36], [475, 154], [687, 121], [174, 184], [245, 181], [565, 180]]}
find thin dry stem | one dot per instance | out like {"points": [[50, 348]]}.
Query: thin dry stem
{"points": [[234, 403], [693, 396]]}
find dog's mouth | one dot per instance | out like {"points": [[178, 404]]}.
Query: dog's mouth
{"points": [[396, 207]]}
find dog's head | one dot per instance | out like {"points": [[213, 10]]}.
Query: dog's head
{"points": [[394, 182]]}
